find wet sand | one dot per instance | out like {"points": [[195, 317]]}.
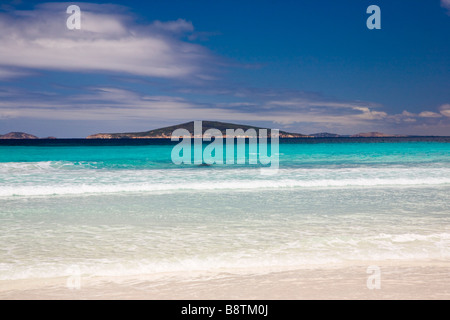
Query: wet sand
{"points": [[413, 280]]}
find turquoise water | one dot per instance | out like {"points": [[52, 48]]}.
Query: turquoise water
{"points": [[128, 210]]}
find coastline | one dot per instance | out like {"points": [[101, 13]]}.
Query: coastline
{"points": [[418, 279]]}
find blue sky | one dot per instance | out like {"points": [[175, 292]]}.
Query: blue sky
{"points": [[301, 66]]}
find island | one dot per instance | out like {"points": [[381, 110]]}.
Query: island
{"points": [[326, 135], [166, 132], [376, 135], [18, 135]]}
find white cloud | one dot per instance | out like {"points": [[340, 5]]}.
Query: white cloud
{"points": [[109, 41], [105, 103], [408, 114], [445, 109], [319, 110], [429, 114], [445, 4]]}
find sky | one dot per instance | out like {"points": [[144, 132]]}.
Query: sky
{"points": [[302, 66]]}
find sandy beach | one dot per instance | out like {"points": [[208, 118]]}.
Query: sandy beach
{"points": [[412, 280]]}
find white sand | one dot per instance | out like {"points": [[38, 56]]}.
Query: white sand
{"points": [[411, 280]]}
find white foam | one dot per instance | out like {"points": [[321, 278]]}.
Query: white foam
{"points": [[48, 178], [324, 254]]}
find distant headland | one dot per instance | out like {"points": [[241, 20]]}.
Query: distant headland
{"points": [[21, 135], [166, 132], [18, 135]]}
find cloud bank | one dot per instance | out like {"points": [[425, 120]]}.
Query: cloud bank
{"points": [[299, 111], [109, 41]]}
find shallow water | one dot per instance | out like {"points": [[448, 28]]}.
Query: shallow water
{"points": [[128, 210]]}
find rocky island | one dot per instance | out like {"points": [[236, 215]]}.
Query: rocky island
{"points": [[327, 135], [166, 132], [376, 135], [18, 135]]}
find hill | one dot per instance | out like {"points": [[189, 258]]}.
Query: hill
{"points": [[18, 135], [375, 135], [166, 132], [326, 135]]}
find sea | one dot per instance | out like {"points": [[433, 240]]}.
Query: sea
{"points": [[112, 208]]}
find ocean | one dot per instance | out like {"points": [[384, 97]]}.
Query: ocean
{"points": [[116, 208]]}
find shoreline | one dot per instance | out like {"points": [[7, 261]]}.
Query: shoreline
{"points": [[398, 280]]}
